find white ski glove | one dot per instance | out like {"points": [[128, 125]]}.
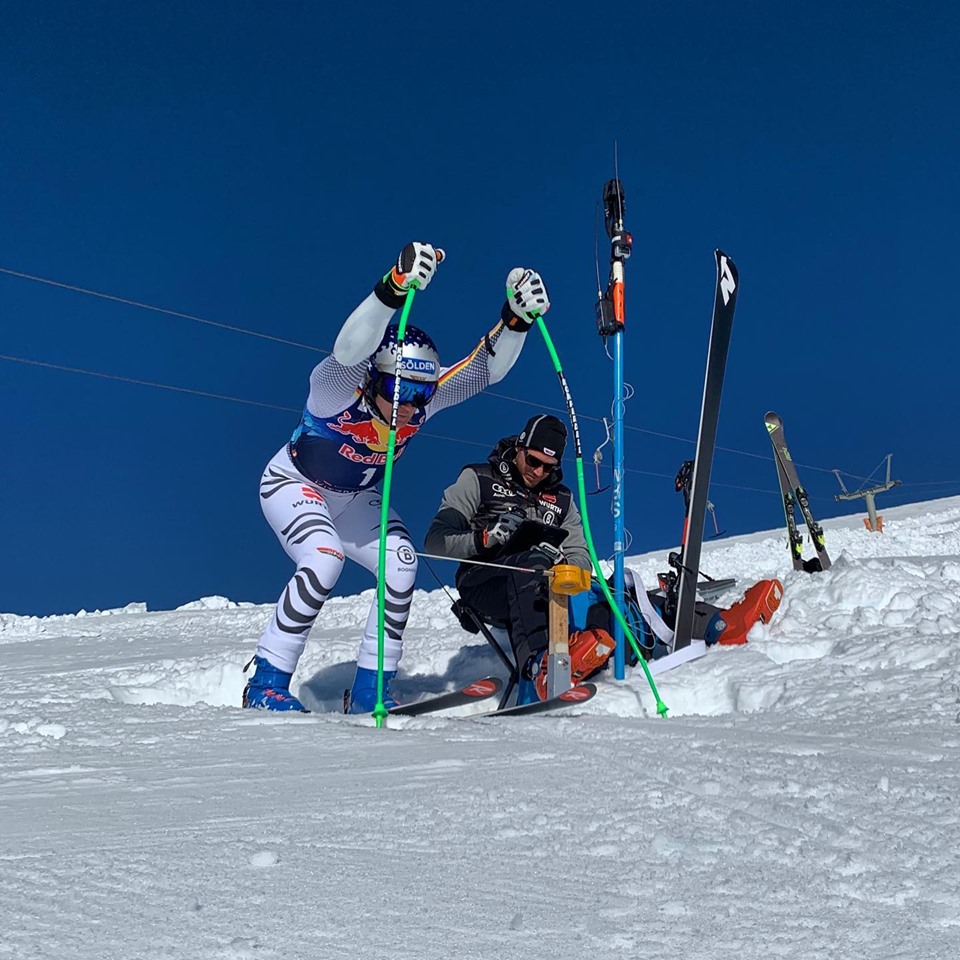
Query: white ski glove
{"points": [[416, 265], [417, 262], [526, 299]]}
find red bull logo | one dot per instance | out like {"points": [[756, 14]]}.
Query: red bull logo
{"points": [[373, 459], [373, 434], [367, 432]]}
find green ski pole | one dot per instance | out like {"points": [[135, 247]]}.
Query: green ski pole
{"points": [[588, 536], [380, 711]]}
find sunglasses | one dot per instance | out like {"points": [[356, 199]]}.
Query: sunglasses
{"points": [[535, 463], [410, 391]]}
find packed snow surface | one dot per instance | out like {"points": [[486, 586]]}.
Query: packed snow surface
{"points": [[802, 800]]}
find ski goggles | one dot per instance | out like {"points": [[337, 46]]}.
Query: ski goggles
{"points": [[409, 391]]}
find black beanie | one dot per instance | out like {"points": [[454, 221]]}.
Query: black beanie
{"points": [[544, 433]]}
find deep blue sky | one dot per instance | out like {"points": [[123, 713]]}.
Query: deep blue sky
{"points": [[261, 168]]}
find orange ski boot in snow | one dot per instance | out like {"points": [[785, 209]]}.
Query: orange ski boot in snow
{"points": [[589, 651], [760, 603]]}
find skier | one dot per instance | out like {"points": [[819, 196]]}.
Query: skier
{"points": [[319, 493], [485, 515]]}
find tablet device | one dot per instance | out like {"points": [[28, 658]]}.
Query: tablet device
{"points": [[531, 533]]}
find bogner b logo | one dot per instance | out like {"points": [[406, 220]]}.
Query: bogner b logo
{"points": [[727, 284]]}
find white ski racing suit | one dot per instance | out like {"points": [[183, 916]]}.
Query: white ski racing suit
{"points": [[321, 496]]}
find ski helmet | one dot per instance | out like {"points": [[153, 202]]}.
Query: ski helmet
{"points": [[419, 367]]}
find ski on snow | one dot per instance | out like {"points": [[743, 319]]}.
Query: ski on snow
{"points": [[724, 305], [581, 693], [795, 495], [471, 693], [490, 687]]}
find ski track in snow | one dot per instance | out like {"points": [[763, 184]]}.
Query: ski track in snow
{"points": [[800, 802]]}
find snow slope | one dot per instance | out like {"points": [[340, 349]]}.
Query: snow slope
{"points": [[801, 801]]}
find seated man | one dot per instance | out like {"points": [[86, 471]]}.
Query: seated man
{"points": [[514, 513]]}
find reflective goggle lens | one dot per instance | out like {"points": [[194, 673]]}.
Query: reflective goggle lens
{"points": [[411, 391]]}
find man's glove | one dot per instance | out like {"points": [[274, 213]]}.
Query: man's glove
{"points": [[552, 553], [417, 263], [499, 531], [526, 299]]}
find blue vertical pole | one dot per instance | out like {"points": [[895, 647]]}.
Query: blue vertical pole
{"points": [[611, 319], [619, 526]]}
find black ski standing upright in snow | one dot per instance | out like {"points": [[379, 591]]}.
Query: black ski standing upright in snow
{"points": [[794, 536], [795, 495], [724, 304]]}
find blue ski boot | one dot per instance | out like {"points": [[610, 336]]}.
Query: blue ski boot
{"points": [[269, 689], [527, 681], [363, 696], [526, 692], [714, 629]]}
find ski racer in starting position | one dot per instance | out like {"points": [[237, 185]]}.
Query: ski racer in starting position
{"points": [[320, 492]]}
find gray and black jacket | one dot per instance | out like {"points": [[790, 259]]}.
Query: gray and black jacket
{"points": [[484, 490]]}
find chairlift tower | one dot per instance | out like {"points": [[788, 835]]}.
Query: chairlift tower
{"points": [[872, 522]]}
